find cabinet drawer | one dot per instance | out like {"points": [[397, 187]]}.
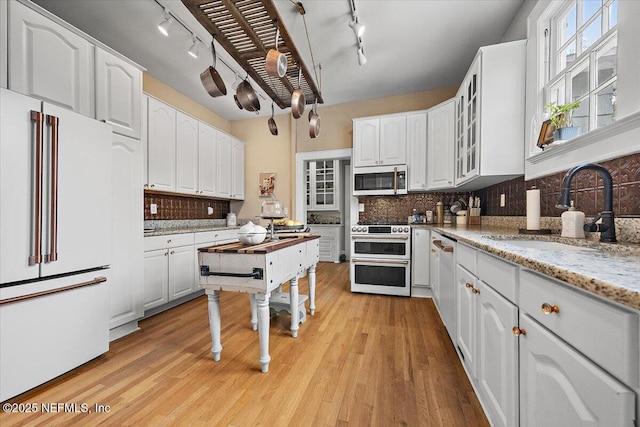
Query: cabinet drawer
{"points": [[466, 257], [216, 236], [152, 243], [499, 274], [605, 333]]}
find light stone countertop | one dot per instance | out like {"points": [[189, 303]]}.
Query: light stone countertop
{"points": [[610, 270]]}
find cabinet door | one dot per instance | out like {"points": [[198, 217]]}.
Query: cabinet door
{"points": [[440, 146], [181, 273], [224, 150], [118, 94], [366, 142], [156, 278], [417, 147], [48, 61], [420, 245], [324, 185], [560, 387], [125, 280], [161, 152], [468, 140], [186, 153], [434, 263], [497, 356], [206, 159], [328, 246], [467, 312], [393, 140], [3, 44], [237, 174]]}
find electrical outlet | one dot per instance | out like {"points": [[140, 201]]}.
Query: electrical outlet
{"points": [[209, 210], [503, 200], [360, 207], [154, 209]]}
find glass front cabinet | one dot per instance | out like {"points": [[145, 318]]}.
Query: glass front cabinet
{"points": [[322, 185]]}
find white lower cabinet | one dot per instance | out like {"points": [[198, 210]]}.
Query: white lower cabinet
{"points": [[540, 352], [560, 387], [330, 241], [168, 268], [420, 246]]}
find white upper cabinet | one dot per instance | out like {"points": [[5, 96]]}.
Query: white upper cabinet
{"points": [[186, 154], [206, 159], [48, 61], [490, 117], [161, 152], [417, 147], [380, 141], [237, 170], [3, 44], [224, 167], [440, 145], [118, 94]]}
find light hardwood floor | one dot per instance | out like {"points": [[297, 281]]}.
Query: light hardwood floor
{"points": [[362, 360]]}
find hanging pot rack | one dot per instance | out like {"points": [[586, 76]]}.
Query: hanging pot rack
{"points": [[246, 29]]}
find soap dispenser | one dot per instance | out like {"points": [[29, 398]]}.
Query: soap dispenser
{"points": [[573, 223]]}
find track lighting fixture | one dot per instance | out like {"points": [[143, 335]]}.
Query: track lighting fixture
{"points": [[356, 26], [193, 50], [361, 58], [163, 27]]}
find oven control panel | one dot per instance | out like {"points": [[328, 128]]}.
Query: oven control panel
{"points": [[381, 229]]}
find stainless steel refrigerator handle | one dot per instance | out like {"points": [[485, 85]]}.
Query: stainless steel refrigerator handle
{"points": [[53, 121], [36, 257]]}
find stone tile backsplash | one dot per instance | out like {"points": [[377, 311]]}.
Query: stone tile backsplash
{"points": [[399, 208], [183, 207]]}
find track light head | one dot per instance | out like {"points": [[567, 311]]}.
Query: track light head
{"points": [[361, 58], [356, 26], [193, 50], [163, 27]]}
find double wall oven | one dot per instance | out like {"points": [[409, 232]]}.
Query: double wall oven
{"points": [[381, 259]]}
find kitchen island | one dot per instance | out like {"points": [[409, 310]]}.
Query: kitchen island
{"points": [[257, 270]]}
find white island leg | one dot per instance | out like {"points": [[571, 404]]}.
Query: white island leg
{"points": [[263, 329], [254, 311], [312, 289], [214, 322], [293, 306]]}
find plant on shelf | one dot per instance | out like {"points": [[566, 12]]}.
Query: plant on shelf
{"points": [[561, 116]]}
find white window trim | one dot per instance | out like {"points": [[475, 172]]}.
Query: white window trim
{"points": [[612, 141]]}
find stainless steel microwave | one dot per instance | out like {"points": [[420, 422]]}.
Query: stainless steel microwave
{"points": [[380, 180]]}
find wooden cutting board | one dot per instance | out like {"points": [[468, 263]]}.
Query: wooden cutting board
{"points": [[264, 247]]}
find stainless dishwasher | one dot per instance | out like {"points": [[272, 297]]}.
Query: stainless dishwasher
{"points": [[444, 248]]}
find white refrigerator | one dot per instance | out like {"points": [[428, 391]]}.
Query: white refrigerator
{"points": [[55, 241]]}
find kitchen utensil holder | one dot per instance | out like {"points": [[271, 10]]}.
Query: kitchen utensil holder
{"points": [[473, 216]]}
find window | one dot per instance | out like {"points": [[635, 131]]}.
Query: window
{"points": [[581, 47]]}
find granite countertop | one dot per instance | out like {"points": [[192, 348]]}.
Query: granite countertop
{"points": [[610, 270], [187, 229]]}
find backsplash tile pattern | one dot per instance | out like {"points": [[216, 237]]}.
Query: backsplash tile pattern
{"points": [[586, 192], [399, 208], [182, 207]]}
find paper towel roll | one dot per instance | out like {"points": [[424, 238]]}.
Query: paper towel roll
{"points": [[533, 209]]}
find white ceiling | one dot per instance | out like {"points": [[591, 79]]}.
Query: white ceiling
{"points": [[411, 45]]}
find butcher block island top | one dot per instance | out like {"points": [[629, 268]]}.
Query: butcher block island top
{"points": [[258, 270], [260, 248]]}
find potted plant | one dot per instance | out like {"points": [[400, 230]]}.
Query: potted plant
{"points": [[561, 116]]}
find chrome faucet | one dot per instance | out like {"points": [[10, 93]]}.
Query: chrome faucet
{"points": [[607, 228]]}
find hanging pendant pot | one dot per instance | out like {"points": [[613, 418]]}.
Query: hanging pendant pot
{"points": [[273, 128], [314, 123], [235, 98], [276, 62], [247, 97], [297, 99], [210, 78]]}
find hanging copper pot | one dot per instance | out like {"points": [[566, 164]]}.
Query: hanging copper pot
{"points": [[297, 99], [314, 122], [273, 128], [210, 78], [276, 62]]}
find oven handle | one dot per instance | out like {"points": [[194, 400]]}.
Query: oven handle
{"points": [[380, 238], [379, 261], [438, 243]]}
